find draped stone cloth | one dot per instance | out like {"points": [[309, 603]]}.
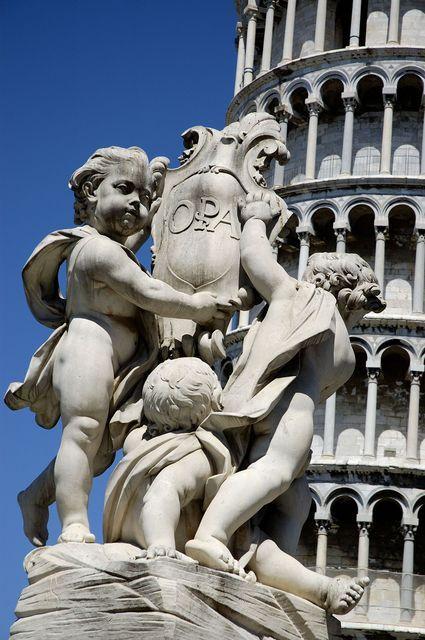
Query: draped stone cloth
{"points": [[41, 284], [313, 321], [135, 471]]}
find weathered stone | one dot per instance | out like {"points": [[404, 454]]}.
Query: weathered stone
{"points": [[108, 592]]}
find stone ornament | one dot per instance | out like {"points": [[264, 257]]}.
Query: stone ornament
{"points": [[129, 365]]}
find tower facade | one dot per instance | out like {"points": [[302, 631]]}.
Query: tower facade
{"points": [[346, 80]]}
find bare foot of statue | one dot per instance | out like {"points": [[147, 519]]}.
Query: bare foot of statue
{"points": [[76, 532], [162, 551], [35, 518], [214, 554], [342, 594]]}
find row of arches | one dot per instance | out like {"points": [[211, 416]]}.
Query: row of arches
{"points": [[364, 127], [272, 33], [389, 235]]}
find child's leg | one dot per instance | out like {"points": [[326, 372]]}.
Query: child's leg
{"points": [[84, 387], [171, 490], [277, 569], [242, 495], [35, 500]]}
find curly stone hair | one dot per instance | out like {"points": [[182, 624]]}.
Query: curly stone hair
{"points": [[99, 164], [179, 394], [348, 277]]}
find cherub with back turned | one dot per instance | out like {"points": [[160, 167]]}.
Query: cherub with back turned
{"points": [[105, 340]]}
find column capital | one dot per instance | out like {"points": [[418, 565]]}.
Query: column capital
{"points": [[408, 531], [350, 103], [340, 231], [364, 528], [271, 3], [389, 97], [314, 106], [323, 526], [240, 29], [304, 237], [282, 113], [419, 235], [373, 373], [251, 12], [381, 232], [415, 377]]}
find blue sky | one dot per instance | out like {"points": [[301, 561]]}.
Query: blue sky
{"points": [[77, 75]]}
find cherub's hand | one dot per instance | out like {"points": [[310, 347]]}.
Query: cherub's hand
{"points": [[259, 205], [208, 306]]}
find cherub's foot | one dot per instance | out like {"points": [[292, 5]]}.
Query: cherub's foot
{"points": [[76, 532], [161, 551], [215, 555], [35, 518], [343, 594]]}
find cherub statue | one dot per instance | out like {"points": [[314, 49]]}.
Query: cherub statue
{"points": [[298, 354], [105, 342], [155, 494]]}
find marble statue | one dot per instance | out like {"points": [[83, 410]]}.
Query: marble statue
{"points": [[106, 335], [210, 476]]}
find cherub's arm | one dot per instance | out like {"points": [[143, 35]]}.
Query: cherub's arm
{"points": [[267, 276], [108, 263]]}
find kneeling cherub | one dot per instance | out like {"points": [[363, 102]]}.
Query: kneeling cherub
{"points": [[169, 462], [105, 327]]}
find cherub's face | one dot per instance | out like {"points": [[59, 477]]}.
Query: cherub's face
{"points": [[121, 202]]}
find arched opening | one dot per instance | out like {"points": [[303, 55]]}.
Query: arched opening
{"points": [[324, 238], [393, 403], [342, 23], [412, 21], [271, 107], [386, 540], [361, 237], [351, 409], [407, 123], [400, 259], [289, 247], [343, 537], [330, 130], [368, 138], [297, 136], [378, 13]]}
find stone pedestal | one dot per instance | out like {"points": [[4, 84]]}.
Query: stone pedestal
{"points": [[107, 592]]}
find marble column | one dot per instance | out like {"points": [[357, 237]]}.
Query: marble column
{"points": [[314, 108], [406, 595], [356, 13], [381, 234], [252, 16], [419, 279], [283, 117], [423, 138], [288, 38], [329, 430], [341, 239], [363, 549], [268, 36], [319, 36], [304, 237], [240, 64], [363, 564], [370, 420], [393, 26], [387, 132], [323, 527], [350, 104], [413, 418]]}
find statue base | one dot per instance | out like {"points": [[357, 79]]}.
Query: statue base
{"points": [[107, 592]]}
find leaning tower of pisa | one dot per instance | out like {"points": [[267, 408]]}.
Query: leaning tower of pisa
{"points": [[346, 79]]}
